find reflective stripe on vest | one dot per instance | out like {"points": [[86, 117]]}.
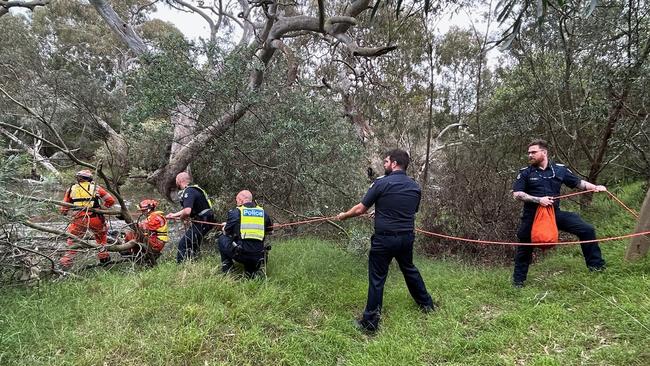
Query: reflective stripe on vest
{"points": [[84, 194], [162, 233], [251, 222]]}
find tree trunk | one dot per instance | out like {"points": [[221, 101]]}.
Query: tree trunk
{"points": [[639, 245], [121, 28]]}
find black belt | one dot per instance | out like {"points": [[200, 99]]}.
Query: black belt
{"points": [[393, 233]]}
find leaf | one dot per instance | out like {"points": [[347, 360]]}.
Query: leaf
{"points": [[592, 7]]}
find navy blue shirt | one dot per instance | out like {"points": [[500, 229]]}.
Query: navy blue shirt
{"points": [[195, 199], [396, 198], [541, 183]]}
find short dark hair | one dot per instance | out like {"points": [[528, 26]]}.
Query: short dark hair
{"points": [[401, 157], [539, 142]]}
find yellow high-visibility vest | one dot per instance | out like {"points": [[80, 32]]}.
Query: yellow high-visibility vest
{"points": [[84, 194], [162, 233], [251, 222]]}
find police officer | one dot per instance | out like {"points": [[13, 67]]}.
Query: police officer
{"points": [[196, 206], [536, 185], [396, 198], [244, 233]]}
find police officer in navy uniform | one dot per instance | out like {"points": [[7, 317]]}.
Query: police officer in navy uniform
{"points": [[197, 207], [244, 234], [396, 198], [536, 185]]}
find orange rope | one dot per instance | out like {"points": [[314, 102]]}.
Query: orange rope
{"points": [[197, 221], [574, 194], [276, 226], [317, 219], [450, 237], [430, 233], [623, 204]]}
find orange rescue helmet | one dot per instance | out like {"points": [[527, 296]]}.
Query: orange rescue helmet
{"points": [[148, 205], [84, 174]]}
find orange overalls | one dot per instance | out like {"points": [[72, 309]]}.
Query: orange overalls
{"points": [[86, 195], [155, 231]]}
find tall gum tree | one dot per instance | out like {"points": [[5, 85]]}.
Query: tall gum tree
{"points": [[270, 23]]}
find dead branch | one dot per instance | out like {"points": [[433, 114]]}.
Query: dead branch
{"points": [[66, 204]]}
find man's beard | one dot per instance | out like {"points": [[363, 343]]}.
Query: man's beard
{"points": [[535, 162], [388, 170]]}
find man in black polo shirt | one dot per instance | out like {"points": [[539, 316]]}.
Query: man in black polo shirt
{"points": [[196, 206], [396, 198], [536, 185], [245, 232]]}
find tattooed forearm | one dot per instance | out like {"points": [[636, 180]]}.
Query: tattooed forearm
{"points": [[525, 197]]}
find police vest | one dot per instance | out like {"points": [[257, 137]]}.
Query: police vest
{"points": [[84, 194], [162, 233], [180, 194], [251, 222]]}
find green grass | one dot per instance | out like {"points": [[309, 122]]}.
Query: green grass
{"points": [[302, 314]]}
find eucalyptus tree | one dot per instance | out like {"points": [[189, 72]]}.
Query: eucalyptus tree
{"points": [[264, 28], [583, 81]]}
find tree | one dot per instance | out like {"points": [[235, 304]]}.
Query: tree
{"points": [[639, 245]]}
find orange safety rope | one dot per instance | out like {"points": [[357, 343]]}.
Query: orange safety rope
{"points": [[623, 204], [317, 219], [430, 233], [275, 226], [477, 241], [573, 194]]}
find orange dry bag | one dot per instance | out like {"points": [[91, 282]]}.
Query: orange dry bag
{"points": [[544, 227]]}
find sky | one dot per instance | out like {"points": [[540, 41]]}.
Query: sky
{"points": [[194, 26]]}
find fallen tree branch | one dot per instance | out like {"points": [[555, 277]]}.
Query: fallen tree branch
{"points": [[52, 263], [66, 204], [76, 239]]}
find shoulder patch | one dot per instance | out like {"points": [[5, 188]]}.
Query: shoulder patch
{"points": [[376, 179]]}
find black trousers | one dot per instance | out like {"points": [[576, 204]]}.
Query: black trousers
{"points": [[229, 254], [383, 249], [566, 221], [190, 244]]}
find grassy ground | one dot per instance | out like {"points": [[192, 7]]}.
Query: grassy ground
{"points": [[302, 314]]}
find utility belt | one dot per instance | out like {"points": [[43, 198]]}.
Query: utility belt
{"points": [[205, 215], [393, 233], [238, 248]]}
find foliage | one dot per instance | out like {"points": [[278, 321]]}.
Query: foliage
{"points": [[314, 168], [18, 262], [473, 200]]}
